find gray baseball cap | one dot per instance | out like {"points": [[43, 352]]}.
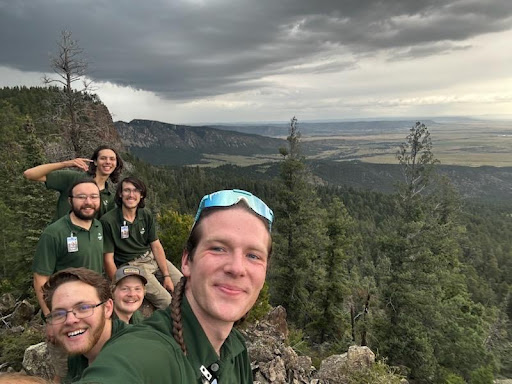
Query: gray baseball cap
{"points": [[129, 270]]}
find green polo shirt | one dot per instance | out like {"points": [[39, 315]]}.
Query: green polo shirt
{"points": [[142, 232], [137, 317], [61, 181], [78, 363], [52, 253], [148, 353]]}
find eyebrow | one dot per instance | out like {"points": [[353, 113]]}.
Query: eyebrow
{"points": [[64, 309]]}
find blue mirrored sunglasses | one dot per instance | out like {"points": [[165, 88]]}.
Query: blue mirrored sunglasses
{"points": [[230, 197]]}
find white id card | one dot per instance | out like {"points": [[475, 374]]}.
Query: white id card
{"points": [[72, 244], [125, 232]]}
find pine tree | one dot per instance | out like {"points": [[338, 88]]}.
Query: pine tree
{"points": [[423, 286], [297, 267]]}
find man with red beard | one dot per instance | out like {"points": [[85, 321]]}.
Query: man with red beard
{"points": [[75, 240], [81, 315]]}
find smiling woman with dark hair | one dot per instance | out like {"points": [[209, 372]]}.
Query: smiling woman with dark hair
{"points": [[104, 164]]}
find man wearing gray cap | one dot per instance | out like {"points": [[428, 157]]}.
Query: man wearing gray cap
{"points": [[128, 289]]}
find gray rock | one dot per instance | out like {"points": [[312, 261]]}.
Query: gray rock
{"points": [[360, 357], [7, 303], [36, 361], [22, 314]]}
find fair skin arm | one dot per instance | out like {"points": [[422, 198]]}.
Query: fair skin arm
{"points": [[39, 281], [159, 253], [110, 266], [39, 172]]}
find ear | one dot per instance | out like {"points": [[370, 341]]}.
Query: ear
{"points": [[185, 263], [108, 308]]}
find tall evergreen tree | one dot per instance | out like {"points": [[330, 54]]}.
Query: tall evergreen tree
{"points": [[297, 266], [423, 283], [332, 321]]}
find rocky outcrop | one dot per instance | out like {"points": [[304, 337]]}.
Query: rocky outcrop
{"points": [[275, 362], [272, 360], [36, 361]]}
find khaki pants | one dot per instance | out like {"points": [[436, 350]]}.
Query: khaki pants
{"points": [[155, 292]]}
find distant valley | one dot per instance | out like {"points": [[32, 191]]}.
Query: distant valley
{"points": [[476, 155]]}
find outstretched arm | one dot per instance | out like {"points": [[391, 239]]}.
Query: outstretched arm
{"points": [[39, 172]]}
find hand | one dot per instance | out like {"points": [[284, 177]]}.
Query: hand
{"points": [[168, 284], [50, 335], [79, 162]]}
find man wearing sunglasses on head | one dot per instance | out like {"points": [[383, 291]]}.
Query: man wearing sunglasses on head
{"points": [[81, 309], [224, 265], [75, 240]]}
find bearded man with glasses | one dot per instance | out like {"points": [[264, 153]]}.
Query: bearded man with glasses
{"points": [[81, 309], [75, 240], [224, 264]]}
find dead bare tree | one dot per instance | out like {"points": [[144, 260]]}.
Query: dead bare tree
{"points": [[74, 104]]}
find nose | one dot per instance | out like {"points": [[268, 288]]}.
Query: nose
{"points": [[71, 318], [235, 264]]}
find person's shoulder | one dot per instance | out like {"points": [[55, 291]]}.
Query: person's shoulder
{"points": [[57, 226], [237, 340], [145, 212], [110, 216]]}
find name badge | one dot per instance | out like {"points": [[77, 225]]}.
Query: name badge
{"points": [[125, 232], [72, 244], [207, 377]]}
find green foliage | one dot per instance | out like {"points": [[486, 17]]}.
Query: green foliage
{"points": [[427, 277], [13, 345], [261, 307], [297, 266], [379, 373], [173, 233], [482, 375], [452, 378]]}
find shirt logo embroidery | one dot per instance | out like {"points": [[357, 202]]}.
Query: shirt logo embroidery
{"points": [[142, 231], [105, 203], [100, 236]]}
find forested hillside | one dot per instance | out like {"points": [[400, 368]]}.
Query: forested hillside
{"points": [[420, 275]]}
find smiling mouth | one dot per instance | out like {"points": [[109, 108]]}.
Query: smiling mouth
{"points": [[78, 332], [230, 290]]}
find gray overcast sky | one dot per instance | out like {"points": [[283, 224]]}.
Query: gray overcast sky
{"points": [[197, 61]]}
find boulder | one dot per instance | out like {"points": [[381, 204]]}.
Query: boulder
{"points": [[36, 361], [7, 304], [360, 357], [22, 314], [334, 368]]}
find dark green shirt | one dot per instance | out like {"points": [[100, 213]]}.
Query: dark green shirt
{"points": [[148, 353], [53, 254], [142, 232], [61, 181], [78, 363], [137, 317]]}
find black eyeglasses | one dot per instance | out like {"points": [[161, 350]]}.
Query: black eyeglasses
{"points": [[81, 311], [94, 196]]}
